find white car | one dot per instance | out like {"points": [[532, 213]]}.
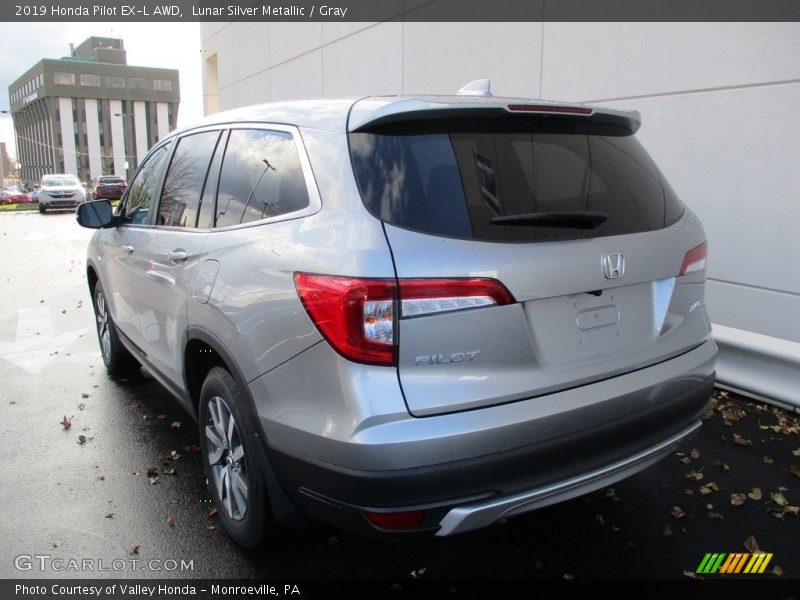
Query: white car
{"points": [[60, 191]]}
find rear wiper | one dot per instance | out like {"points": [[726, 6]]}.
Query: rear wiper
{"points": [[569, 218]]}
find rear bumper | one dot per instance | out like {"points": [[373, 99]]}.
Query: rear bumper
{"points": [[630, 423]]}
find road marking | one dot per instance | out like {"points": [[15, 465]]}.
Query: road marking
{"points": [[36, 345]]}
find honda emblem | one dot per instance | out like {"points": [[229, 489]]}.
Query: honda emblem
{"points": [[613, 266]]}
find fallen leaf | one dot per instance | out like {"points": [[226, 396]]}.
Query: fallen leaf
{"points": [[724, 466], [677, 512], [174, 455], [169, 522], [738, 499], [211, 527], [161, 417], [751, 544], [768, 460], [667, 531], [102, 478], [175, 425], [740, 441], [192, 448], [709, 487], [611, 494], [81, 439], [66, 422], [152, 480], [133, 549], [755, 494], [779, 499], [694, 476], [170, 471], [333, 540], [212, 512], [84, 395], [688, 492], [715, 515], [691, 575], [600, 519], [792, 510], [152, 472], [776, 570], [795, 470], [109, 516], [686, 460], [695, 453], [796, 452]]}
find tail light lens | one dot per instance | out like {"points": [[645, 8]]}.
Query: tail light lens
{"points": [[358, 317], [695, 259]]}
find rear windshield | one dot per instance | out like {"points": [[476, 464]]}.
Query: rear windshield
{"points": [[110, 180], [511, 180]]}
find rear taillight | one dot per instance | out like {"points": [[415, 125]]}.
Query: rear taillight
{"points": [[695, 259], [420, 297], [358, 317], [397, 521]]}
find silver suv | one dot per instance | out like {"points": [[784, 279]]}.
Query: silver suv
{"points": [[403, 314]]}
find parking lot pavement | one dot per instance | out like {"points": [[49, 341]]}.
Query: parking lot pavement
{"points": [[124, 481]]}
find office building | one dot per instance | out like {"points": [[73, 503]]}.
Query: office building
{"points": [[90, 113]]}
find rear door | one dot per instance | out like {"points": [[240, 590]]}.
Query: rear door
{"points": [[570, 217]]}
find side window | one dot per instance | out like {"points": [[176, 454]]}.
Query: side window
{"points": [[186, 177], [142, 191], [261, 177]]}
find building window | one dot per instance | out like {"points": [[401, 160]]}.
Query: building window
{"points": [[115, 82], [138, 83], [90, 80], [64, 78], [162, 85]]}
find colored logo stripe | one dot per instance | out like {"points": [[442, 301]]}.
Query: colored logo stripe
{"points": [[722, 562]]}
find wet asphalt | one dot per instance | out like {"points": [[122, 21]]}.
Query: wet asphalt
{"points": [[129, 496]]}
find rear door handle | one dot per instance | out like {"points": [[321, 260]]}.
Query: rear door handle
{"points": [[127, 249], [178, 255]]}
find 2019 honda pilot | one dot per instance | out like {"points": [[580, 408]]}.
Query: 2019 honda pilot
{"points": [[403, 314]]}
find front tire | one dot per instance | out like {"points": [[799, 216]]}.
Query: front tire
{"points": [[234, 460], [116, 357]]}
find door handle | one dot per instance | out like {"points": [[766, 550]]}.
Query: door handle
{"points": [[127, 249], [178, 256]]}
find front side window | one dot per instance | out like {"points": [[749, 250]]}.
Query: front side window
{"points": [[261, 177], [185, 180], [142, 191]]}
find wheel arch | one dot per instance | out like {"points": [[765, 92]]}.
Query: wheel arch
{"points": [[204, 351]]}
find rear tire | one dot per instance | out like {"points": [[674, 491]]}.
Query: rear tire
{"points": [[234, 460], [116, 357], [42, 209]]}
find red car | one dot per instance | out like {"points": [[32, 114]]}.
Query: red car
{"points": [[109, 187], [13, 197]]}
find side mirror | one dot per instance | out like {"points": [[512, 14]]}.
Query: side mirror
{"points": [[95, 215]]}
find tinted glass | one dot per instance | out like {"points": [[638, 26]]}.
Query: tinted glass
{"points": [[453, 178], [142, 191], [261, 177], [186, 177]]}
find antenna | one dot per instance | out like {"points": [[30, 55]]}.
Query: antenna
{"points": [[479, 87]]}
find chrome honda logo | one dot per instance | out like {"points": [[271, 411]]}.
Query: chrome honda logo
{"points": [[613, 266]]}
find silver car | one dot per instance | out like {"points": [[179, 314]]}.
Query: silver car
{"points": [[60, 191], [405, 314]]}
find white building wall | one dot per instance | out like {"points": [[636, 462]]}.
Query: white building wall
{"points": [[118, 137], [719, 104], [93, 139], [140, 129]]}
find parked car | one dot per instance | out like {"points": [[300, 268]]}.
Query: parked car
{"points": [[13, 196], [110, 187], [406, 314], [60, 191]]}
